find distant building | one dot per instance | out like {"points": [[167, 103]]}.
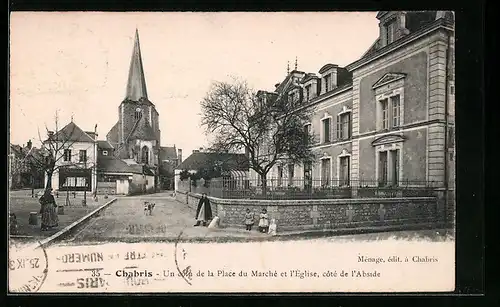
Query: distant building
{"points": [[24, 167], [230, 165]]}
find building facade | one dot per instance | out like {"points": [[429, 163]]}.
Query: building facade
{"points": [[386, 119]]}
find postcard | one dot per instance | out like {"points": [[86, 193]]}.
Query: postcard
{"points": [[233, 152]]}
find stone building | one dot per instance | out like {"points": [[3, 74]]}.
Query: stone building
{"points": [[136, 136], [387, 118]]}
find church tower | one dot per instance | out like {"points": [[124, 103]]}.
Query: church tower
{"points": [[136, 135]]}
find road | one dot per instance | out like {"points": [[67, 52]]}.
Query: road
{"points": [[125, 221]]}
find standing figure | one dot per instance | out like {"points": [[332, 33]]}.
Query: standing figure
{"points": [[48, 211], [263, 221], [204, 211], [249, 219]]}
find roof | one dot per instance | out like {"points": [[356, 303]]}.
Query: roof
{"points": [[228, 161], [102, 144], [136, 84], [71, 132], [168, 153], [112, 135], [111, 164]]}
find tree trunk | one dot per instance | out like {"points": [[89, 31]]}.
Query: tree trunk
{"points": [[263, 178], [48, 186]]}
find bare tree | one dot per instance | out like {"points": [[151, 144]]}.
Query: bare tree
{"points": [[268, 126], [52, 151]]}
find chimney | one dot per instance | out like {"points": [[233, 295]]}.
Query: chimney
{"points": [[179, 155], [29, 144], [50, 134]]}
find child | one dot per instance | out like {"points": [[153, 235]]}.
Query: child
{"points": [[272, 228], [249, 219], [263, 221]]}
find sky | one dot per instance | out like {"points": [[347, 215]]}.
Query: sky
{"points": [[76, 64]]}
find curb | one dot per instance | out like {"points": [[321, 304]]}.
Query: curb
{"points": [[68, 228]]}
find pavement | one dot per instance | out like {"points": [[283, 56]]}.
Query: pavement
{"points": [[171, 221]]}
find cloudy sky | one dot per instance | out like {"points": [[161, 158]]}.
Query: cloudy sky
{"points": [[77, 63]]}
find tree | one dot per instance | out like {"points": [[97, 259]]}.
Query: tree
{"points": [[268, 126], [52, 152]]}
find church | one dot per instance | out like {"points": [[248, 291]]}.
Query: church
{"points": [[135, 137]]}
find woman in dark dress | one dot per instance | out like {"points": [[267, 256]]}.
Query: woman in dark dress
{"points": [[204, 211], [48, 211]]}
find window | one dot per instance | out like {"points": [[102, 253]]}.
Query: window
{"points": [[280, 175], [325, 172], [382, 168], [307, 174], [395, 167], [145, 155], [344, 175], [344, 126], [396, 111], [291, 173], [326, 130], [307, 133], [327, 83], [390, 29], [104, 152], [138, 114], [308, 92], [389, 167], [385, 114], [67, 155], [82, 157]]}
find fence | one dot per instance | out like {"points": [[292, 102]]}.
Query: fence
{"points": [[299, 188]]}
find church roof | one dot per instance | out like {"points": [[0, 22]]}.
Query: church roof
{"points": [[136, 84]]}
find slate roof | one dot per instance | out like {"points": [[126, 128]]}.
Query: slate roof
{"points": [[111, 164], [229, 161], [168, 153], [71, 132], [102, 144]]}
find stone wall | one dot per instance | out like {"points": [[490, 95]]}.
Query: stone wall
{"points": [[324, 214]]}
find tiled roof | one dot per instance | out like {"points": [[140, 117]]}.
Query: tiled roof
{"points": [[71, 132], [229, 161], [111, 164]]}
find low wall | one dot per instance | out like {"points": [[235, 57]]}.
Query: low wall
{"points": [[323, 214]]}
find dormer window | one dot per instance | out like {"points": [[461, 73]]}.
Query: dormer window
{"points": [[308, 92], [104, 152], [328, 82], [390, 31]]}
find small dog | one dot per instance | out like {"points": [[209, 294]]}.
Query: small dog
{"points": [[272, 228], [148, 208], [214, 223]]}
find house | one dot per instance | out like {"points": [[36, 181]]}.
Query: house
{"points": [[170, 158], [385, 119], [229, 165], [25, 169], [74, 152]]}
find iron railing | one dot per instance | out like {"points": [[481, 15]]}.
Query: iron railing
{"points": [[299, 188]]}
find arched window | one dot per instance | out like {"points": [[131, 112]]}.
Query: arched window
{"points": [[145, 155], [138, 114]]}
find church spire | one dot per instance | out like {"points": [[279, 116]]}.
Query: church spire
{"points": [[136, 85]]}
